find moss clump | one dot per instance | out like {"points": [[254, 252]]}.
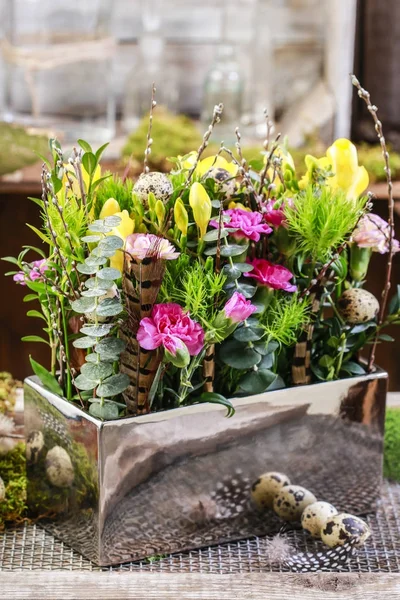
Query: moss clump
{"points": [[8, 390], [172, 135], [12, 471], [391, 460], [19, 148]]}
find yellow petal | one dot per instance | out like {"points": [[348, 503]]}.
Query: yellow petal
{"points": [[126, 226], [110, 207], [117, 261], [344, 161], [201, 206], [360, 184], [181, 216], [233, 204], [218, 162]]}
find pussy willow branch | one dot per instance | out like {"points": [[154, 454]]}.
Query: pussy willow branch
{"points": [[217, 113], [372, 109], [268, 163], [149, 139], [246, 177]]}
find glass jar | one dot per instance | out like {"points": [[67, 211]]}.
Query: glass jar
{"points": [[224, 83], [58, 67]]}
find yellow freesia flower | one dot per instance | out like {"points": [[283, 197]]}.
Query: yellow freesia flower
{"points": [[126, 227], [200, 204], [215, 162], [188, 161], [181, 217], [110, 207], [347, 176]]}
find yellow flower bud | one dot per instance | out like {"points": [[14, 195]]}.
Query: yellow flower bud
{"points": [[124, 229], [110, 207], [160, 212], [201, 206], [181, 216], [233, 204]]}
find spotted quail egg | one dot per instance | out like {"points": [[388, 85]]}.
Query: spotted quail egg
{"points": [[315, 516], [342, 527], [34, 445], [358, 306], [59, 469], [290, 502], [225, 181], [155, 182], [264, 490], [2, 490]]}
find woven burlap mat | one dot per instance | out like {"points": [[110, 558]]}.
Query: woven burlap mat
{"points": [[29, 547]]}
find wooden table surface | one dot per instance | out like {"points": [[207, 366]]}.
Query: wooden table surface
{"points": [[56, 585]]}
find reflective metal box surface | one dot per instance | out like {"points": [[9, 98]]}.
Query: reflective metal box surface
{"points": [[181, 479]]}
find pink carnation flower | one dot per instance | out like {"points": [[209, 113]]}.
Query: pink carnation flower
{"points": [[169, 326], [273, 276], [275, 216], [373, 232], [37, 268], [249, 224], [238, 309], [140, 245]]}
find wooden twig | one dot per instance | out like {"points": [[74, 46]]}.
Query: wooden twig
{"points": [[372, 109], [218, 109], [149, 139]]}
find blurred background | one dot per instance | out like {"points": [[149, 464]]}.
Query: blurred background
{"points": [[85, 68]]}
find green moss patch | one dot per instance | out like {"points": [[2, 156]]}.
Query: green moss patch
{"points": [[13, 473], [391, 461]]}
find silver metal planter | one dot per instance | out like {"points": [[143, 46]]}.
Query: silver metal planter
{"points": [[181, 479]]}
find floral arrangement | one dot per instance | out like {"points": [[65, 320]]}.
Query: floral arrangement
{"points": [[219, 279]]}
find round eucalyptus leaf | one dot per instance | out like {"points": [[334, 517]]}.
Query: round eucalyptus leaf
{"points": [[93, 293], [231, 273], [109, 307], [97, 330], [84, 342], [93, 357], [109, 273], [238, 356], [212, 235], [86, 269], [112, 221], [89, 239], [267, 361], [233, 250], [211, 251], [113, 385], [107, 411], [99, 227], [248, 334], [244, 267], [83, 383], [110, 346], [94, 282], [265, 347], [112, 242], [83, 305], [93, 260], [97, 371], [247, 290], [256, 382]]}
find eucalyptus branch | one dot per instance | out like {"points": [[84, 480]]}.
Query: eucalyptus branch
{"points": [[364, 95], [216, 118]]}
